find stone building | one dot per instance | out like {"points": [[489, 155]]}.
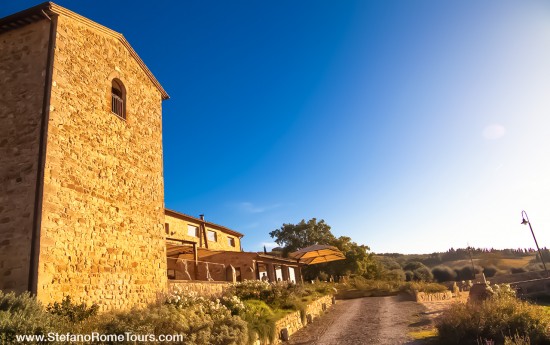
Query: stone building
{"points": [[81, 174], [81, 192], [198, 250]]}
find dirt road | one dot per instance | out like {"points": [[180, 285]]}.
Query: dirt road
{"points": [[369, 321]]}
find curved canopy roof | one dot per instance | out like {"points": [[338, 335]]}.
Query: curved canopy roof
{"points": [[317, 254]]}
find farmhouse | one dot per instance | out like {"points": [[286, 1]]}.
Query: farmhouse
{"points": [[82, 192]]}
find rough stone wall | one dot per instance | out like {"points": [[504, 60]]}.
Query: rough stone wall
{"points": [[206, 289], [222, 241], [178, 230], [241, 260], [23, 56], [102, 236], [438, 296], [293, 321]]}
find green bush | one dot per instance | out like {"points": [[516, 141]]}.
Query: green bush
{"points": [[250, 289], [207, 321], [23, 314], [497, 318], [423, 274], [201, 321], [72, 311], [369, 287], [197, 325], [490, 271], [395, 274], [280, 295], [443, 274], [261, 321]]}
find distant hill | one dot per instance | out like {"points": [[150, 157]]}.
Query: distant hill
{"points": [[456, 264]]}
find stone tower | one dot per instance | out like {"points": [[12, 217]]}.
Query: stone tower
{"points": [[81, 191]]}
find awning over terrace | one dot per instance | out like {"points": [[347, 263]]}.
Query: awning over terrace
{"points": [[186, 250], [317, 254]]}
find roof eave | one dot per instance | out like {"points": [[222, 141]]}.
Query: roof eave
{"points": [[41, 11], [221, 227]]}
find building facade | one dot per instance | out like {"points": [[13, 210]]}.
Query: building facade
{"points": [[82, 192]]}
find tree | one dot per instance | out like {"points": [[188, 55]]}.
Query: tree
{"points": [[358, 259], [443, 274], [297, 236]]}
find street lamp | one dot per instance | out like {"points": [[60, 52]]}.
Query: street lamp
{"points": [[526, 221]]}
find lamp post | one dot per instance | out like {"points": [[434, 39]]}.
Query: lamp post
{"points": [[526, 221]]}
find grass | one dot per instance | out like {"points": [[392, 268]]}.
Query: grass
{"points": [[494, 319], [360, 287], [501, 263], [424, 334]]}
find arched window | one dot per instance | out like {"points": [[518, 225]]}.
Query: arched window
{"points": [[118, 98]]}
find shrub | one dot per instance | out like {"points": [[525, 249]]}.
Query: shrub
{"points": [[467, 272], [423, 287], [234, 304], [396, 274], [494, 319], [23, 314], [196, 324], [250, 289], [279, 295], [443, 274], [413, 265], [260, 320], [72, 311], [490, 271], [370, 287], [423, 274]]}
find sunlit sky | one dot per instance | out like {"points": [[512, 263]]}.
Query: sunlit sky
{"points": [[410, 126]]}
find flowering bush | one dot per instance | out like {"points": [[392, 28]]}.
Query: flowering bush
{"points": [[250, 289], [184, 299], [503, 291], [190, 300], [234, 304], [260, 303], [196, 324]]}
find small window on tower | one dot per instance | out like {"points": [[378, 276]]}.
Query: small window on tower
{"points": [[118, 98]]}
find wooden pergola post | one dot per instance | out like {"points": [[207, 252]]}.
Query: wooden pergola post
{"points": [[195, 260]]}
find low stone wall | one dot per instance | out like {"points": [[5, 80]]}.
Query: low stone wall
{"points": [[292, 322], [428, 297], [202, 288]]}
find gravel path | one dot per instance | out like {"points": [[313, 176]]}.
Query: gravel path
{"points": [[369, 320]]}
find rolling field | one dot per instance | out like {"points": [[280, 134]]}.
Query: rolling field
{"points": [[500, 263]]}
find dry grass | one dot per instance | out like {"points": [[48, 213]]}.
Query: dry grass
{"points": [[494, 319], [424, 334], [500, 263]]}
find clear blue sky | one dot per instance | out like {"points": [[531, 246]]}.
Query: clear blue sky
{"points": [[410, 126]]}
